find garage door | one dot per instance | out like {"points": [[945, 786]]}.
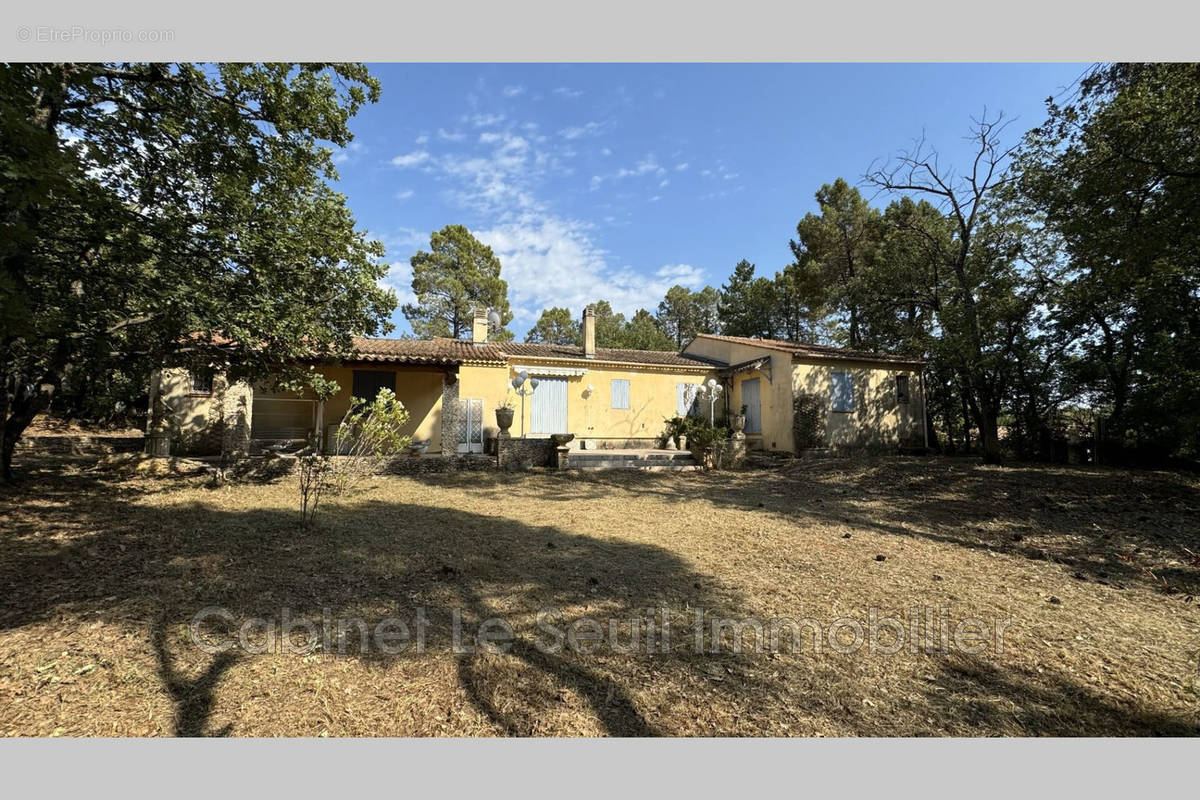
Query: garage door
{"points": [[549, 414]]}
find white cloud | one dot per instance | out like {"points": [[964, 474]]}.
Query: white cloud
{"points": [[422, 139], [399, 279], [604, 151], [587, 129], [513, 91], [412, 159], [570, 94], [485, 120], [681, 167], [646, 166], [451, 136], [655, 199], [664, 182], [404, 194], [348, 153], [548, 261]]}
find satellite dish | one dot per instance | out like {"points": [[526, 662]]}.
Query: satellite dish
{"points": [[494, 318]]}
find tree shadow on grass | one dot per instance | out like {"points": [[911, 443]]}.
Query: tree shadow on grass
{"points": [[981, 693], [1112, 526], [153, 567], [80, 548]]}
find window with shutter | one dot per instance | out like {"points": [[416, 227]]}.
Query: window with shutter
{"points": [[620, 393], [843, 391], [901, 388]]}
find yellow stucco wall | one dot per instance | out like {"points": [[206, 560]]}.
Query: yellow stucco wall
{"points": [[419, 390], [878, 420], [200, 422], [189, 413], [652, 398]]}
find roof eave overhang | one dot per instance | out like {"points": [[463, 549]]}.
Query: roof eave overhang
{"points": [[593, 362], [881, 362]]}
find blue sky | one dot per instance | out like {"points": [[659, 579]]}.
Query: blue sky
{"points": [[618, 181]]}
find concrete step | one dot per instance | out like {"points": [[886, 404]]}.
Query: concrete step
{"points": [[649, 460]]}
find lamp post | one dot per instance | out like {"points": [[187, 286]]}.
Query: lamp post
{"points": [[518, 384], [711, 390]]}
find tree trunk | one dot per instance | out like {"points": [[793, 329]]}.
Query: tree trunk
{"points": [[23, 410], [989, 434], [23, 405]]}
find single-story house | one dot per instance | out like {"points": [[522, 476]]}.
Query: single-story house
{"points": [[608, 398]]}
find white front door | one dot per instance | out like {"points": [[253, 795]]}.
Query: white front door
{"points": [[470, 425], [549, 413]]}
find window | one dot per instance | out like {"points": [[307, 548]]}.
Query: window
{"points": [[843, 391], [620, 393], [202, 381], [901, 388], [367, 383]]}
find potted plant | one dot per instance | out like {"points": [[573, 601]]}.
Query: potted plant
{"points": [[738, 421], [670, 437], [504, 414]]}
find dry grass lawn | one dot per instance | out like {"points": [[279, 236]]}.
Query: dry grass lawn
{"points": [[101, 572]]}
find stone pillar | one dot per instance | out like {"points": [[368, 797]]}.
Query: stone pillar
{"points": [[237, 407], [450, 412], [562, 457], [737, 449], [158, 438]]}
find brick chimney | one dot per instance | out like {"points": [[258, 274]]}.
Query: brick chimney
{"points": [[589, 333], [479, 326]]}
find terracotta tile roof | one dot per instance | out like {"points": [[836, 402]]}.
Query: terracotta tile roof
{"points": [[813, 350], [448, 352], [438, 351], [653, 357]]}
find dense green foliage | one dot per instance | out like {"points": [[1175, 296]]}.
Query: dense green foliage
{"points": [[158, 213], [161, 214], [641, 332], [556, 326], [458, 275], [1052, 284]]}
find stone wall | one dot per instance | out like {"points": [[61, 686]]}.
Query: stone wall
{"points": [[462, 462], [518, 454], [450, 412], [80, 445], [640, 443]]}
